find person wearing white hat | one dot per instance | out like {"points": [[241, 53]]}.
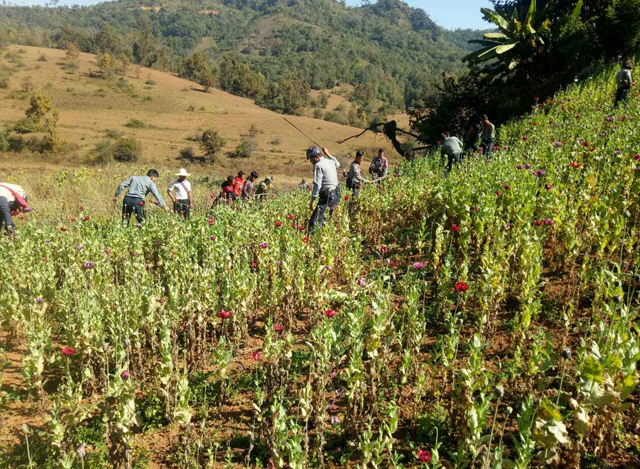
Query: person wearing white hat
{"points": [[182, 200]]}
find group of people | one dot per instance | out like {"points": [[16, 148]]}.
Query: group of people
{"points": [[239, 188], [480, 135]]}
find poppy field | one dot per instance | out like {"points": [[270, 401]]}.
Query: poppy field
{"points": [[490, 319]]}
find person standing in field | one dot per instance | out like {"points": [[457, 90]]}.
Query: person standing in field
{"points": [[473, 133], [487, 135], [238, 183], [263, 187], [379, 166], [248, 188], [325, 185], [623, 80], [452, 148], [138, 188], [182, 202], [303, 186], [12, 198], [354, 178]]}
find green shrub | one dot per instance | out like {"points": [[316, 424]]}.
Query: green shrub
{"points": [[150, 82], [136, 124], [187, 153], [102, 153], [248, 145], [127, 150], [113, 133], [4, 140], [25, 126], [4, 82], [211, 143], [42, 58]]}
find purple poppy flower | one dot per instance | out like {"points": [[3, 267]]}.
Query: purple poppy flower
{"points": [[125, 375], [47, 241], [506, 187], [362, 282], [278, 263], [212, 238], [518, 166], [89, 265], [617, 152], [527, 166], [79, 247], [418, 265], [335, 420], [39, 300], [524, 137], [107, 251], [557, 144], [264, 245]]}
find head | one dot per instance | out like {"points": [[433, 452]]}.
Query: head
{"points": [[240, 174], [381, 153], [253, 176], [359, 156], [446, 134], [314, 153], [230, 179], [484, 119], [153, 174], [628, 65], [304, 180], [268, 180]]}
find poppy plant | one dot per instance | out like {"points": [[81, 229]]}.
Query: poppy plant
{"points": [[575, 165], [461, 287], [418, 265], [277, 327], [424, 455], [346, 197], [67, 352], [255, 356], [278, 224], [330, 313], [455, 228], [264, 245], [224, 314]]}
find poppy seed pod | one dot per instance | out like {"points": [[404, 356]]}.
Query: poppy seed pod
{"points": [[566, 354], [499, 391]]}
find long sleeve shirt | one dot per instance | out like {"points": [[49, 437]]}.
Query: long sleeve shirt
{"points": [[248, 189], [139, 187], [355, 174], [4, 192], [325, 176], [488, 132], [451, 146], [379, 167]]}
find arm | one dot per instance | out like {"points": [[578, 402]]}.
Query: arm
{"points": [[170, 194], [156, 194], [122, 187], [385, 167], [190, 199], [317, 184]]}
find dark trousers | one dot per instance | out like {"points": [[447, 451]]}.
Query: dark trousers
{"points": [[622, 95], [132, 205], [452, 159], [327, 200], [470, 148], [5, 213], [487, 148], [181, 207]]}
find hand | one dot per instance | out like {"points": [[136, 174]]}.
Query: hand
{"points": [[190, 205], [166, 209], [115, 199], [325, 151], [311, 206]]}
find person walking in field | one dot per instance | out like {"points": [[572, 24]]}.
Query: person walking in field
{"points": [[249, 188], [303, 185], [487, 136], [182, 202], [264, 187], [238, 183], [325, 185], [379, 166], [138, 188], [354, 177], [452, 149], [623, 80], [12, 198]]}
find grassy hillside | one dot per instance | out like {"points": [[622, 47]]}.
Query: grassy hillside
{"points": [[172, 110], [487, 319], [396, 48]]}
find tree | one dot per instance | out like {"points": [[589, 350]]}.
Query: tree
{"points": [[207, 81], [108, 40], [127, 150], [105, 62], [194, 66], [45, 117], [211, 143]]}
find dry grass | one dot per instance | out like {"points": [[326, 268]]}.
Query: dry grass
{"points": [[91, 106]]}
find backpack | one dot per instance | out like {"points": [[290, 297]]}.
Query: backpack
{"points": [[349, 183]]}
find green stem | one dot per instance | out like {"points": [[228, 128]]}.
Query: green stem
{"points": [[564, 367]]}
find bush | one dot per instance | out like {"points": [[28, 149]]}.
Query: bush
{"points": [[136, 124], [187, 153], [127, 150], [4, 140], [150, 82], [211, 143], [25, 126], [245, 149], [42, 58], [102, 153], [4, 82], [113, 133], [276, 141], [254, 131]]}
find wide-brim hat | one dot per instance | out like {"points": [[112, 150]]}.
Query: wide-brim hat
{"points": [[183, 172]]}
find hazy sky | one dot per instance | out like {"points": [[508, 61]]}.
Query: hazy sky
{"points": [[447, 13]]}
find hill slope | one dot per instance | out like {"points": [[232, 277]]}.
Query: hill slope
{"points": [[174, 111], [394, 47]]}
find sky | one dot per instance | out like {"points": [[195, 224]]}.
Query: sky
{"points": [[450, 14]]}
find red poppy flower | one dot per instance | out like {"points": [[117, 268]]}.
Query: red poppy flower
{"points": [[72, 219], [81, 208], [305, 239], [224, 314], [498, 193], [455, 228], [67, 352], [575, 165], [277, 327], [278, 224], [537, 223], [461, 287], [330, 313], [346, 197], [62, 228], [255, 356], [423, 454], [636, 157], [290, 217], [383, 249], [393, 264]]}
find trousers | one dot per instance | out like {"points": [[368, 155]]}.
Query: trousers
{"points": [[329, 199], [131, 205], [181, 207], [5, 213]]}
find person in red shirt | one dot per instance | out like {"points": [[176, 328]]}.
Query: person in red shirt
{"points": [[238, 184]]}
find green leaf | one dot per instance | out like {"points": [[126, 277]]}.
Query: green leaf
{"points": [[496, 19], [628, 385], [495, 36], [592, 370]]}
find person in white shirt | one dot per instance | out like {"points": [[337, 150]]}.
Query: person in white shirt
{"points": [[325, 185], [452, 148], [12, 197], [182, 201]]}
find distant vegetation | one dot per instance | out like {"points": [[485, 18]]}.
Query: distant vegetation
{"points": [[272, 51]]}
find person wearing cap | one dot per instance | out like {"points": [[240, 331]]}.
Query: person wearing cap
{"points": [[249, 188], [325, 185], [138, 188], [452, 148], [303, 186], [12, 198], [623, 80], [182, 201], [238, 183], [379, 166], [354, 178], [487, 135], [263, 187]]}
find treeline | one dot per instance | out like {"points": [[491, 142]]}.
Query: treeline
{"points": [[273, 47], [538, 48]]}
